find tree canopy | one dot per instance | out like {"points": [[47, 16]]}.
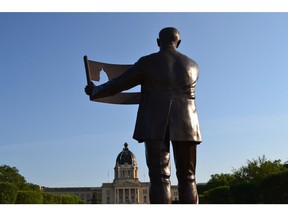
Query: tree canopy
{"points": [[258, 169], [11, 174], [259, 181]]}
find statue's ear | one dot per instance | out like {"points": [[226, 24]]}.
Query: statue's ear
{"points": [[178, 43], [158, 42]]}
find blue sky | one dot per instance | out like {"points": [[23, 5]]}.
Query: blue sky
{"points": [[56, 137]]}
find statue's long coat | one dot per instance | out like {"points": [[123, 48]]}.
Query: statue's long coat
{"points": [[168, 79]]}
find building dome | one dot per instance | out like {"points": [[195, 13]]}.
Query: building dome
{"points": [[126, 157]]}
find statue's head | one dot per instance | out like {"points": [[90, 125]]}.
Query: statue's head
{"points": [[168, 37]]}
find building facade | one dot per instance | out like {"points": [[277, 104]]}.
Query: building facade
{"points": [[89, 195], [125, 188]]}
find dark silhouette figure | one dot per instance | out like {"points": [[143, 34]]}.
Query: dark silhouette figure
{"points": [[167, 112]]}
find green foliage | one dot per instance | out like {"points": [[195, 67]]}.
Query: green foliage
{"points": [[94, 198], [256, 170], [29, 197], [80, 201], [260, 181], [49, 198], [201, 188], [68, 199], [275, 188], [286, 164], [11, 174], [31, 187], [246, 193], [11, 181], [218, 180], [219, 195], [8, 193], [71, 199], [203, 198]]}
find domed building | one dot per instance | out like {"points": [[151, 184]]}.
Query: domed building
{"points": [[126, 165], [125, 188]]}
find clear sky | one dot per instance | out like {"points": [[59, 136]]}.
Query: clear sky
{"points": [[56, 137]]}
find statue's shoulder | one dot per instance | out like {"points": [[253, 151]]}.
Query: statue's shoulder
{"points": [[152, 55], [147, 58], [188, 59]]}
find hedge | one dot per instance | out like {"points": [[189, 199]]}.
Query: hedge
{"points": [[8, 193], [29, 197], [69, 199], [49, 198], [203, 198], [246, 193], [219, 195], [275, 188]]}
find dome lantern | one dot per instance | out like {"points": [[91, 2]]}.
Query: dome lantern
{"points": [[126, 157], [126, 165]]}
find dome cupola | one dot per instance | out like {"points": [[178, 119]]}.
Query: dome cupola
{"points": [[126, 157], [126, 165]]}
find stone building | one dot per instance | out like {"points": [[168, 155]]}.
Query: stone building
{"points": [[125, 188], [88, 194]]}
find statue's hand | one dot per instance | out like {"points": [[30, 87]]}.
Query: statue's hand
{"points": [[89, 88]]}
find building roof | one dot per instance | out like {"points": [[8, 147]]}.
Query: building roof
{"points": [[126, 156]]}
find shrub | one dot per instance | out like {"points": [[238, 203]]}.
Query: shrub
{"points": [[219, 195], [203, 198], [29, 197], [246, 193], [8, 193], [275, 188], [49, 198], [69, 199], [11, 174], [80, 201], [30, 187]]}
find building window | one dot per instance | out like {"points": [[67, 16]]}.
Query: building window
{"points": [[145, 199], [132, 195], [120, 196], [127, 196]]}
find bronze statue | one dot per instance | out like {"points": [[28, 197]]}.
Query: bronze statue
{"points": [[167, 112]]}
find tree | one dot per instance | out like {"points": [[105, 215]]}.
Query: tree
{"points": [[218, 180], [218, 195], [49, 198], [259, 181], [94, 198], [31, 187], [256, 170], [11, 174], [29, 197], [286, 164], [8, 193], [275, 188]]}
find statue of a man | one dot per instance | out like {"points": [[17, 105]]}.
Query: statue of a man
{"points": [[167, 112]]}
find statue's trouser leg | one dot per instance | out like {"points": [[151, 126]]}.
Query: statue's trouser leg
{"points": [[158, 162], [185, 162]]}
